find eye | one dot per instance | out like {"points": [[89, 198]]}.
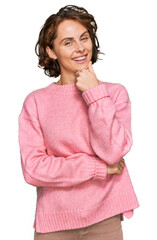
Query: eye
{"points": [[68, 43], [84, 38]]}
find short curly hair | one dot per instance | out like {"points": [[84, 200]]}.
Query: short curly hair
{"points": [[48, 33]]}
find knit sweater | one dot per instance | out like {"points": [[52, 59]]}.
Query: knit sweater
{"points": [[67, 137]]}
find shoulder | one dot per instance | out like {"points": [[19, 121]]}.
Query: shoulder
{"points": [[117, 91], [32, 100], [37, 93]]}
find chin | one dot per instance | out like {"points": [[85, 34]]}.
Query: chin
{"points": [[83, 66], [80, 67]]}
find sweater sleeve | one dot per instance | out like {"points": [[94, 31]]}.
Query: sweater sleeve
{"points": [[42, 170], [110, 122]]}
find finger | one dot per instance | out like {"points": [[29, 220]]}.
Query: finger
{"points": [[118, 172], [122, 163], [90, 67], [121, 160], [77, 73], [120, 168]]}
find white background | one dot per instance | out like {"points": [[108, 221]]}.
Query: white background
{"points": [[127, 32]]}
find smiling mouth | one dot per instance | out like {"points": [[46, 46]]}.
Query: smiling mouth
{"points": [[80, 59]]}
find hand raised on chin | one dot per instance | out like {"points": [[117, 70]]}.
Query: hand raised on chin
{"points": [[86, 78]]}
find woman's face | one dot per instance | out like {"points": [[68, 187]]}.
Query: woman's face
{"points": [[72, 47]]}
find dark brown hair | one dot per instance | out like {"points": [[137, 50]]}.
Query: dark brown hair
{"points": [[49, 32]]}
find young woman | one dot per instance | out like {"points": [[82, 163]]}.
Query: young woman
{"points": [[73, 135]]}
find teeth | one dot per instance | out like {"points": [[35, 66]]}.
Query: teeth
{"points": [[79, 59]]}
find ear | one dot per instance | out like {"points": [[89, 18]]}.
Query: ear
{"points": [[51, 53]]}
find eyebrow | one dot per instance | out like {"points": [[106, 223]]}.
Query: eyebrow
{"points": [[71, 38]]}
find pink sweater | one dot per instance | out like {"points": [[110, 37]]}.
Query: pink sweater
{"points": [[66, 139]]}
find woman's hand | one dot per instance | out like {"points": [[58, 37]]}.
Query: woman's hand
{"points": [[116, 168], [86, 78]]}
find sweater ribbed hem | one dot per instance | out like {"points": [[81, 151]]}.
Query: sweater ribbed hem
{"points": [[101, 169], [97, 168], [93, 94], [74, 219]]}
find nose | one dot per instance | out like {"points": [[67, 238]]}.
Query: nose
{"points": [[79, 47]]}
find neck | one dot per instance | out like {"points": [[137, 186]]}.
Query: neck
{"points": [[66, 78]]}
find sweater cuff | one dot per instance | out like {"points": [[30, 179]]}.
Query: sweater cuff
{"points": [[98, 168], [95, 93]]}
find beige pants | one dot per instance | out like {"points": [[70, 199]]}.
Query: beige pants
{"points": [[108, 229]]}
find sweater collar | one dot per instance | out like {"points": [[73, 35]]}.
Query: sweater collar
{"points": [[66, 88]]}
